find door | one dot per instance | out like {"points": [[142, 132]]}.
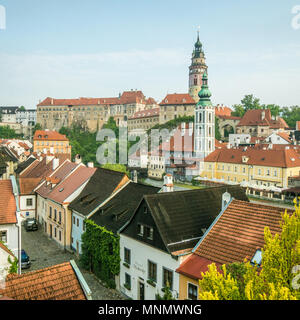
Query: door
{"points": [[142, 291]]}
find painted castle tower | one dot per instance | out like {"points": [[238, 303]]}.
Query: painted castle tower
{"points": [[204, 137], [196, 70]]}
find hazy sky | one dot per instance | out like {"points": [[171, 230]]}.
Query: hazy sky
{"points": [[96, 48]]}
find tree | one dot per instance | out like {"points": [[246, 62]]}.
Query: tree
{"points": [[250, 102], [167, 294], [273, 280], [22, 108], [217, 130], [116, 167], [239, 110], [36, 127], [291, 115]]}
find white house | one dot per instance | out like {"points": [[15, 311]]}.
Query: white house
{"points": [[161, 234], [279, 137]]}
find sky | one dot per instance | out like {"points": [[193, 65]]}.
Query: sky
{"points": [[97, 48]]}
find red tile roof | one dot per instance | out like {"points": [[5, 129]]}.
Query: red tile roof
{"points": [[7, 203], [47, 135], [298, 125], [58, 175], [177, 98], [236, 235], [255, 118], [54, 283], [274, 158], [69, 185], [126, 98], [146, 113], [27, 185], [222, 111]]}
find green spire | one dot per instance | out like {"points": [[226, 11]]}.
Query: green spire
{"points": [[204, 94], [198, 47]]}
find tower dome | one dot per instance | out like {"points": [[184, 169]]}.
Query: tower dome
{"points": [[204, 94]]}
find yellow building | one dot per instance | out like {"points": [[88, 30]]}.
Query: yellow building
{"points": [[51, 142], [263, 171]]}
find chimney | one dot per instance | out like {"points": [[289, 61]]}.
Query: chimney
{"points": [[168, 183], [226, 197], [134, 176], [52, 101], [90, 164], [263, 115], [77, 159], [49, 158], [55, 163]]}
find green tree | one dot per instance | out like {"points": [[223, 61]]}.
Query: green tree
{"points": [[36, 127], [217, 131], [291, 115], [239, 110], [13, 269], [167, 294], [249, 102], [22, 108], [116, 167], [273, 280]]}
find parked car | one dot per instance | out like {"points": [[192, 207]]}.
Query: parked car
{"points": [[31, 224], [25, 260]]}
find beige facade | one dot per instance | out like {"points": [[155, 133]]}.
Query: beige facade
{"points": [[143, 120], [156, 166], [90, 113]]}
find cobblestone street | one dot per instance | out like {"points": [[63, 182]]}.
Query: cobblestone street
{"points": [[44, 252]]}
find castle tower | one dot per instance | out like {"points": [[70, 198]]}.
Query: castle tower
{"points": [[197, 69], [204, 137]]}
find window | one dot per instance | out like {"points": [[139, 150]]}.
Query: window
{"points": [[3, 236], [59, 235], [127, 255], [74, 220], [140, 230], [167, 278], [59, 217], [50, 212], [55, 232], [148, 232], [29, 202], [152, 271], [55, 214], [145, 209], [127, 281], [77, 222], [192, 292], [256, 258]]}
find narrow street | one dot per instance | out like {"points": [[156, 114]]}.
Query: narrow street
{"points": [[44, 252]]}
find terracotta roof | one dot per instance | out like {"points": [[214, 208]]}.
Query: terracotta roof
{"points": [[126, 98], [274, 158], [59, 174], [229, 117], [236, 235], [132, 97], [298, 125], [27, 185], [150, 101], [78, 102], [177, 98], [146, 113], [69, 185], [57, 282], [7, 203], [255, 118], [43, 135], [222, 111]]}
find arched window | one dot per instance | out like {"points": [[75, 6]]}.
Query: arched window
{"points": [[195, 81]]}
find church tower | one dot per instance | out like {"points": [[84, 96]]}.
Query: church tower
{"points": [[204, 137], [197, 69]]}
